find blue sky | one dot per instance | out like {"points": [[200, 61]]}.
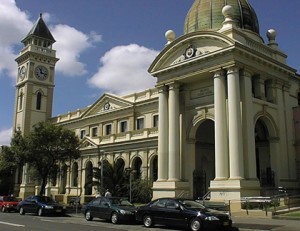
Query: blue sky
{"points": [[108, 45]]}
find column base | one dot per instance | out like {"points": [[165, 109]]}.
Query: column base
{"points": [[171, 189], [234, 189], [26, 190]]}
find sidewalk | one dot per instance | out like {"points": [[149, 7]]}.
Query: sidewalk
{"points": [[256, 223]]}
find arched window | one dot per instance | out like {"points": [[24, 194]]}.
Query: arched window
{"points": [[75, 175], [38, 101], [21, 101]]}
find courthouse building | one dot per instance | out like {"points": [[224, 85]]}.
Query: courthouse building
{"points": [[223, 117]]}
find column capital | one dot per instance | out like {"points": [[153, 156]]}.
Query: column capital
{"points": [[247, 73], [162, 88], [174, 86], [233, 69], [219, 73]]}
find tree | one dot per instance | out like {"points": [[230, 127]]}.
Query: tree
{"points": [[114, 178], [43, 148]]}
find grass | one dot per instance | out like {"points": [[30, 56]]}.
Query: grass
{"points": [[293, 214]]}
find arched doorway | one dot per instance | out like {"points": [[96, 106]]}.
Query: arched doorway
{"points": [[88, 178], [204, 158], [263, 156], [154, 168], [63, 179], [137, 167]]}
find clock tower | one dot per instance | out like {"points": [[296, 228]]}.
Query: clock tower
{"points": [[35, 81]]}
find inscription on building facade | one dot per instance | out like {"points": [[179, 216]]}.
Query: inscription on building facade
{"points": [[202, 92]]}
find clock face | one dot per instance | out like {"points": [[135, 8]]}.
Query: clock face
{"points": [[41, 72], [106, 106], [190, 52], [22, 72]]}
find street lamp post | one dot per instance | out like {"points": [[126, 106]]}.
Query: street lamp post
{"points": [[131, 171]]}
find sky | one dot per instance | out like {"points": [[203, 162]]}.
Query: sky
{"points": [[108, 45]]}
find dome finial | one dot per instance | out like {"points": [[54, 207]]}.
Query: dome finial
{"points": [[41, 14], [271, 34], [170, 36]]}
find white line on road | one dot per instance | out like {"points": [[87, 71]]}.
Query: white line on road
{"points": [[11, 224]]}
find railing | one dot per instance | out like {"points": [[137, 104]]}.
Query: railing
{"points": [[277, 204]]}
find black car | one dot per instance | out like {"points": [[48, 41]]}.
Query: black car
{"points": [[181, 212], [114, 209], [41, 205]]}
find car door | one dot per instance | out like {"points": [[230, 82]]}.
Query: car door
{"points": [[94, 207], [105, 206], [157, 211], [28, 204], [173, 213]]}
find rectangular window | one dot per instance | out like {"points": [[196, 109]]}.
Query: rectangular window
{"points": [[155, 121], [94, 131], [140, 123], [108, 129], [123, 126], [82, 134]]}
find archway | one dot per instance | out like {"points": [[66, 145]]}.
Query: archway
{"points": [[204, 158], [153, 168], [264, 169], [88, 178], [63, 179], [137, 167]]}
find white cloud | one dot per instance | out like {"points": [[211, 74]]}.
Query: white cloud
{"points": [[70, 43], [14, 24], [123, 70], [5, 136]]}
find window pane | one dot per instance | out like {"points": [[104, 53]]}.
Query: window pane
{"points": [[155, 121], [123, 126], [140, 124]]}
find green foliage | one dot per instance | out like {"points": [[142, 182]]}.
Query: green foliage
{"points": [[44, 147], [114, 178], [141, 191]]}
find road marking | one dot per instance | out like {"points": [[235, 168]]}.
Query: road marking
{"points": [[11, 224]]}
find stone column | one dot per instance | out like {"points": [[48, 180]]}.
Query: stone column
{"points": [[163, 139], [221, 138], [248, 126], [174, 141], [234, 125]]}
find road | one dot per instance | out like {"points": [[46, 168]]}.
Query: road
{"points": [[16, 222]]}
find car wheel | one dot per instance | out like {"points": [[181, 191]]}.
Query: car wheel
{"points": [[147, 220], [88, 215], [195, 224], [3, 210], [21, 211], [40, 212], [114, 218]]}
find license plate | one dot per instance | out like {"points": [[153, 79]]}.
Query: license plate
{"points": [[226, 223], [58, 210]]}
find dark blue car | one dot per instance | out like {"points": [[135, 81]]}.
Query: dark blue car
{"points": [[180, 212], [40, 205]]}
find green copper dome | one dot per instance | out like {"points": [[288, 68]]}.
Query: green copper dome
{"points": [[207, 15]]}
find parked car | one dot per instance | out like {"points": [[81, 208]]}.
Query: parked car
{"points": [[181, 212], [115, 209], [8, 203], [41, 205]]}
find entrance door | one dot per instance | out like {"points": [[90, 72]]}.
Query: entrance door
{"points": [[204, 158]]}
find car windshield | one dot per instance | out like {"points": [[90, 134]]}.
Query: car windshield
{"points": [[119, 201], [192, 204], [10, 199], [44, 199]]}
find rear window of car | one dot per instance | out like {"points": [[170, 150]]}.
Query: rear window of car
{"points": [[10, 199]]}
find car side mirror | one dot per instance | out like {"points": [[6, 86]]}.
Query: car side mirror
{"points": [[106, 204]]}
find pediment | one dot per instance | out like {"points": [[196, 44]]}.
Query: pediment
{"points": [[107, 103], [86, 143], [190, 47]]}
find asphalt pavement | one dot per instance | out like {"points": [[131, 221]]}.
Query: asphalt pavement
{"points": [[269, 224]]}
